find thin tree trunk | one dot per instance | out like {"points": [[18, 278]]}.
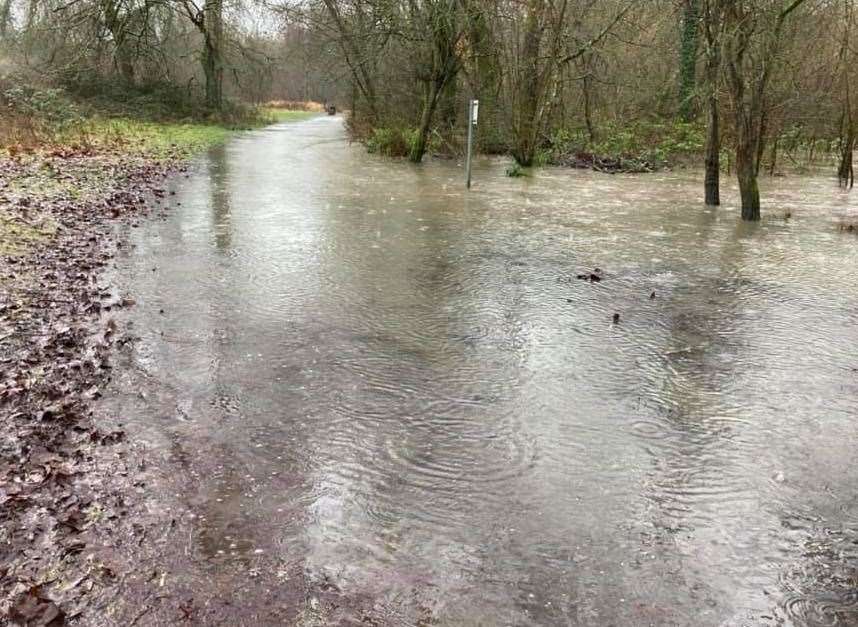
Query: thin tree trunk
{"points": [[746, 170], [712, 175], [447, 105], [845, 172], [418, 149], [688, 59], [712, 160], [773, 156], [588, 114], [526, 127], [761, 142]]}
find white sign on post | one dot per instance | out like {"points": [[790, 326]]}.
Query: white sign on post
{"points": [[476, 111]]}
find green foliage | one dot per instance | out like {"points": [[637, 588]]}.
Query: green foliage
{"points": [[655, 142], [398, 142], [44, 107], [390, 142]]}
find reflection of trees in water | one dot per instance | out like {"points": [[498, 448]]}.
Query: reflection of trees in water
{"points": [[219, 186], [696, 491], [707, 361], [429, 367]]}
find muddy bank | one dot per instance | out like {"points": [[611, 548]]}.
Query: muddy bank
{"points": [[71, 498], [95, 526]]}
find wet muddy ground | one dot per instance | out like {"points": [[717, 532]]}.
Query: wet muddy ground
{"points": [[69, 502]]}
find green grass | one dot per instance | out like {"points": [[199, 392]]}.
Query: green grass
{"points": [[157, 121], [284, 115], [154, 139], [174, 139], [169, 139]]}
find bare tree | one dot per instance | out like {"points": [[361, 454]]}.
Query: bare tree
{"points": [[752, 39], [440, 27], [208, 19]]}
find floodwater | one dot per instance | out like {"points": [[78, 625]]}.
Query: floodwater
{"points": [[402, 393]]}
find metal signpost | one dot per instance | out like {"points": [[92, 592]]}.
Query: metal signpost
{"points": [[473, 114]]}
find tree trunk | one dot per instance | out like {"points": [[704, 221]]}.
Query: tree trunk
{"points": [[845, 172], [773, 155], [418, 148], [119, 28], [746, 171], [712, 161], [761, 142], [526, 128], [712, 176], [448, 105], [125, 62], [588, 114], [212, 59], [214, 76], [688, 59]]}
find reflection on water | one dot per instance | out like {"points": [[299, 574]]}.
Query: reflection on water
{"points": [[406, 394]]}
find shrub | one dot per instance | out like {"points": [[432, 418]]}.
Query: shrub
{"points": [[639, 141], [390, 142]]}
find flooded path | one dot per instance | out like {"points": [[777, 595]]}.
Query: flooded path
{"points": [[400, 394]]}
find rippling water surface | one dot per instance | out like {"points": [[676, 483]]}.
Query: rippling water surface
{"points": [[406, 394]]}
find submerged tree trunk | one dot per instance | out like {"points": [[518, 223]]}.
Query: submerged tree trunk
{"points": [[712, 175], [430, 101], [688, 59], [746, 171], [845, 171]]}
